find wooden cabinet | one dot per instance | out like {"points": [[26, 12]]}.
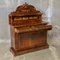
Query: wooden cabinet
{"points": [[28, 31]]}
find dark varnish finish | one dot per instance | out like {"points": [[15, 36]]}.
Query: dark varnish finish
{"points": [[28, 31]]}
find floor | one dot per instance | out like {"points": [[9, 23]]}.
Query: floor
{"points": [[52, 53]]}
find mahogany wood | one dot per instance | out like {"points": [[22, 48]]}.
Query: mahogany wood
{"points": [[28, 31]]}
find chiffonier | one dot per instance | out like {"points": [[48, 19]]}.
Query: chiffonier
{"points": [[28, 31]]}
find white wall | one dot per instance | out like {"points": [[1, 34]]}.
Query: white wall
{"points": [[45, 6], [54, 35], [6, 6]]}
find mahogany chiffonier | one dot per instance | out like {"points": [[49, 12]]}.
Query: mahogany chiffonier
{"points": [[28, 31]]}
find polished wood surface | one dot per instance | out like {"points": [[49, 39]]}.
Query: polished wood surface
{"points": [[28, 31]]}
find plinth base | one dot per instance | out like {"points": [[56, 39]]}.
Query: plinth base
{"points": [[15, 53]]}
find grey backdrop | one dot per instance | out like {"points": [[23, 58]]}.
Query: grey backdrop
{"points": [[6, 6]]}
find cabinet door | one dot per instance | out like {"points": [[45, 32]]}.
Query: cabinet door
{"points": [[32, 39], [25, 41], [38, 38]]}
